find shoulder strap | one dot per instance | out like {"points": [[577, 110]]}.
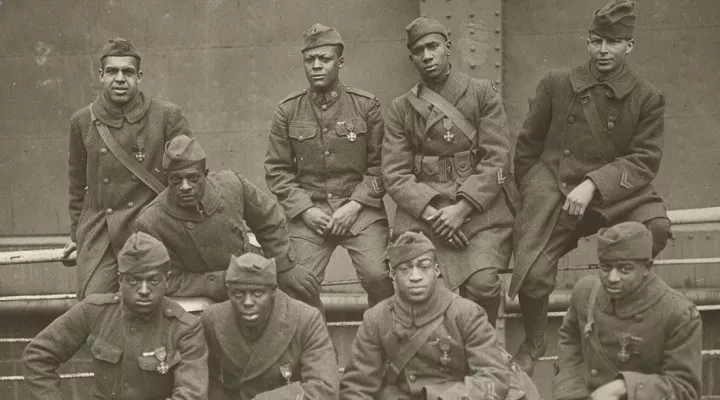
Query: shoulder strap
{"points": [[399, 360], [597, 128], [449, 110], [124, 157], [359, 92], [292, 95]]}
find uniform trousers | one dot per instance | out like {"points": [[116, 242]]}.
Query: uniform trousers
{"points": [[104, 278]]}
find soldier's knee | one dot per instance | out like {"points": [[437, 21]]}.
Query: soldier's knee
{"points": [[539, 282], [660, 229], [481, 286]]}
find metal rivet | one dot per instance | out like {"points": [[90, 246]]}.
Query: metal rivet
{"points": [[448, 16], [472, 66], [449, 32], [497, 13], [497, 65], [497, 30], [497, 81], [472, 15], [472, 32], [472, 48], [497, 48]]}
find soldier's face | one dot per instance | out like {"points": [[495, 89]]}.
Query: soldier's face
{"points": [[253, 304], [608, 55], [416, 279], [120, 78], [186, 187], [143, 292], [621, 278], [322, 67], [431, 55]]}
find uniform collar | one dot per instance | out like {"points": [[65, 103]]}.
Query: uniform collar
{"points": [[644, 297], [438, 84], [409, 315], [113, 115], [326, 98], [455, 85], [210, 203], [584, 77]]}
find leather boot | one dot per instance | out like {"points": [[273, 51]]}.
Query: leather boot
{"points": [[491, 307], [534, 316]]}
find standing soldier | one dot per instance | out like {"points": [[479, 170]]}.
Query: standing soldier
{"points": [[323, 164], [628, 335], [446, 156], [203, 219], [116, 148], [144, 345], [585, 158], [265, 345]]}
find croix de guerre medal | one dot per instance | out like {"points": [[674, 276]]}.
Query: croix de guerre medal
{"points": [[625, 340], [138, 148], [286, 372], [447, 124], [351, 136], [161, 354], [444, 345]]}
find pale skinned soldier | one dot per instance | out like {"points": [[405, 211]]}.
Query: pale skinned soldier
{"points": [[585, 159], [144, 346], [203, 219], [265, 345], [323, 164], [105, 195], [426, 343], [627, 335], [446, 159]]}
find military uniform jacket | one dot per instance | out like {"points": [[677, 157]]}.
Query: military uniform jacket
{"points": [[326, 154], [659, 330], [121, 344], [295, 340], [414, 142], [475, 367], [200, 244], [105, 197]]}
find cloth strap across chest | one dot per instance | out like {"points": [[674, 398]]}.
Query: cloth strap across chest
{"points": [[399, 359], [448, 109]]}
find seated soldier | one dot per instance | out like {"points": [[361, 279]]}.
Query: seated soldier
{"points": [[426, 342], [628, 335], [204, 219], [144, 345], [264, 344]]}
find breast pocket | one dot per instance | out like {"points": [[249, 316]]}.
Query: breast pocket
{"points": [[158, 375], [106, 364], [301, 140], [351, 139]]}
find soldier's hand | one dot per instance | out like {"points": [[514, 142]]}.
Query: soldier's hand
{"points": [[578, 199], [315, 219], [69, 248], [446, 221], [614, 390], [343, 218], [299, 281]]}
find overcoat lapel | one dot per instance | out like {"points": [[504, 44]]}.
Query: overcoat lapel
{"points": [[231, 340], [274, 342], [454, 88]]}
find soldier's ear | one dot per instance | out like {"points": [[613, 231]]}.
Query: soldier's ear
{"points": [[139, 75], [448, 47], [630, 46]]}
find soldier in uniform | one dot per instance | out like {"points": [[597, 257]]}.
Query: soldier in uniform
{"points": [[628, 335], [426, 342], [446, 157], [323, 164], [144, 345], [204, 218], [264, 344], [585, 159], [105, 194]]}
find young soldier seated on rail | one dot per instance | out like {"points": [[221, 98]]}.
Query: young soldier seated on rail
{"points": [[144, 345], [627, 335], [264, 344], [204, 218], [426, 342]]}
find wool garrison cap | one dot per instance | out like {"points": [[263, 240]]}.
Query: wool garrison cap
{"points": [[421, 27], [408, 246], [625, 241], [321, 35], [142, 253], [118, 47], [251, 268], [616, 20], [181, 152]]}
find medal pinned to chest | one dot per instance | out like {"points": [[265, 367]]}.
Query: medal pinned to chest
{"points": [[626, 341], [351, 136], [286, 372], [443, 345], [447, 124], [161, 355]]}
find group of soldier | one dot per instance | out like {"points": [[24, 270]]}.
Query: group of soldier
{"points": [[149, 220]]}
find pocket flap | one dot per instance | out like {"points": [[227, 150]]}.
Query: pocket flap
{"points": [[105, 351], [352, 125], [430, 165], [151, 363], [463, 161], [302, 132]]}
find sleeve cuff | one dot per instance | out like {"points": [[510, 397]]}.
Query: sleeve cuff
{"points": [[297, 210], [639, 386]]}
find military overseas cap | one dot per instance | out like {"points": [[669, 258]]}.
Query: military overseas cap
{"points": [[119, 47], [251, 268], [616, 20], [625, 241], [142, 253], [181, 152], [421, 27], [408, 246], [321, 35]]}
